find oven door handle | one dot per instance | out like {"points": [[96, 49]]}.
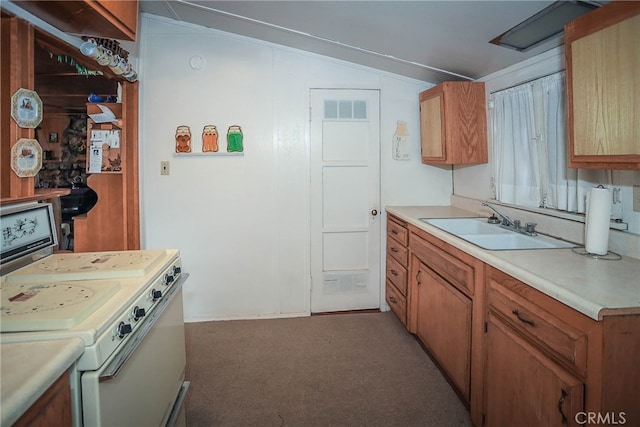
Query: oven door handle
{"points": [[111, 371]]}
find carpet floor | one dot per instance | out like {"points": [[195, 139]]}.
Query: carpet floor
{"points": [[360, 369]]}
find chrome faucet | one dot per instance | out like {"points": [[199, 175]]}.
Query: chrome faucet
{"points": [[514, 225]]}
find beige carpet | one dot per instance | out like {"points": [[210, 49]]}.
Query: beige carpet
{"points": [[361, 369]]}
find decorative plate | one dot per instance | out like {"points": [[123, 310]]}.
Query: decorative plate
{"points": [[26, 157], [26, 108]]}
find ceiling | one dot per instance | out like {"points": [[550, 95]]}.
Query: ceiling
{"points": [[431, 41]]}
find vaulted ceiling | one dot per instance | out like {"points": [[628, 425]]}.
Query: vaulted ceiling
{"points": [[428, 40]]}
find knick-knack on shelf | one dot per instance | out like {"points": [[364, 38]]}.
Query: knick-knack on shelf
{"points": [[209, 139], [234, 139], [183, 139]]}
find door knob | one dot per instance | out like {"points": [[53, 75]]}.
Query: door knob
{"points": [[374, 212]]}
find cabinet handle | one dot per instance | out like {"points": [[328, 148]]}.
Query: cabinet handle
{"points": [[393, 249], [395, 273], [418, 277], [560, 402], [522, 319], [394, 231], [392, 299]]}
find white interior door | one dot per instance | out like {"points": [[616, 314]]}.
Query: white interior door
{"points": [[345, 200]]}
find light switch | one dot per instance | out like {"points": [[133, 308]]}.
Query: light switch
{"points": [[164, 168]]}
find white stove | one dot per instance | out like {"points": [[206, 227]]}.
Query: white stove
{"points": [[119, 303], [70, 302]]}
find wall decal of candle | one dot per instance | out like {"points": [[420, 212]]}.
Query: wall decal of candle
{"points": [[234, 139], [209, 139], [183, 139]]}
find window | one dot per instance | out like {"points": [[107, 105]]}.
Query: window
{"points": [[528, 124], [345, 109]]}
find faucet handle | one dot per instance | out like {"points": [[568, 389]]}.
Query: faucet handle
{"points": [[530, 227], [516, 224], [493, 219]]}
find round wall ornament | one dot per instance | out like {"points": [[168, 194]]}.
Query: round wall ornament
{"points": [[26, 157], [26, 108]]}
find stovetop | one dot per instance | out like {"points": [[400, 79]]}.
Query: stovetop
{"points": [[51, 306], [36, 309], [88, 266]]}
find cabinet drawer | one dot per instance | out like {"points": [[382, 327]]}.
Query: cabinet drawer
{"points": [[397, 232], [398, 251], [457, 272], [397, 274], [560, 339], [397, 302]]}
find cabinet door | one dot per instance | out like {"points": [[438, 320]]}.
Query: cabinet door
{"points": [[522, 386], [453, 123], [432, 137], [602, 87], [444, 326]]}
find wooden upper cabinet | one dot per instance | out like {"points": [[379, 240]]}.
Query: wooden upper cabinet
{"points": [[453, 123], [113, 19], [603, 57]]}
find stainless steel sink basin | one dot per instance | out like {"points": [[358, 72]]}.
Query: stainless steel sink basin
{"points": [[494, 237]]}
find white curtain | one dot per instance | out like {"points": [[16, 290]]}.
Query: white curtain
{"points": [[516, 158], [530, 145]]}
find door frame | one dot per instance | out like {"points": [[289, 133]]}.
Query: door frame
{"points": [[378, 192]]}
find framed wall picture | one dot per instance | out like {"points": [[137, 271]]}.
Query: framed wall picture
{"points": [[26, 157], [53, 137], [26, 108]]}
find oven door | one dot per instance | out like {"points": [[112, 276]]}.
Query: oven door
{"points": [[139, 386]]}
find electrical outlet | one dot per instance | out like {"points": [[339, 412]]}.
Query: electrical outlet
{"points": [[636, 198], [164, 168]]}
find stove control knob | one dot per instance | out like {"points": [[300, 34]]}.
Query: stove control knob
{"points": [[177, 270], [138, 313], [123, 330], [168, 278], [155, 295]]}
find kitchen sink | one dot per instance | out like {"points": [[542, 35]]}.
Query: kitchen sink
{"points": [[493, 237], [464, 226]]}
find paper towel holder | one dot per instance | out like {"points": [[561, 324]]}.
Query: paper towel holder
{"points": [[610, 256]]}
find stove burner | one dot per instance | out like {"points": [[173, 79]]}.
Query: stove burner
{"points": [[51, 306], [85, 266]]}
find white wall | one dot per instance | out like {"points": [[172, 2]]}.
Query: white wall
{"points": [[242, 223]]}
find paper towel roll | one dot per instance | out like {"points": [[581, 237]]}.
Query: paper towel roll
{"points": [[598, 214]]}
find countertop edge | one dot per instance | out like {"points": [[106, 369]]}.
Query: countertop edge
{"points": [[594, 310], [29, 377]]}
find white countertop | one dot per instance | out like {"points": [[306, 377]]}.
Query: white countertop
{"points": [[29, 369], [594, 287]]}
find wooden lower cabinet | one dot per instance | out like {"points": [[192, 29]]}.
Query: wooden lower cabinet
{"points": [[547, 364], [444, 326], [523, 387], [445, 311], [514, 355], [53, 408], [397, 260]]}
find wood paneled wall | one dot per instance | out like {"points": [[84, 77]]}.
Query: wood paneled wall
{"points": [[17, 72]]}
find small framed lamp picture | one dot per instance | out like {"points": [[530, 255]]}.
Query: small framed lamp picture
{"points": [[53, 137]]}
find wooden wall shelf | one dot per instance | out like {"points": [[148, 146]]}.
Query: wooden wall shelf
{"points": [[221, 154]]}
